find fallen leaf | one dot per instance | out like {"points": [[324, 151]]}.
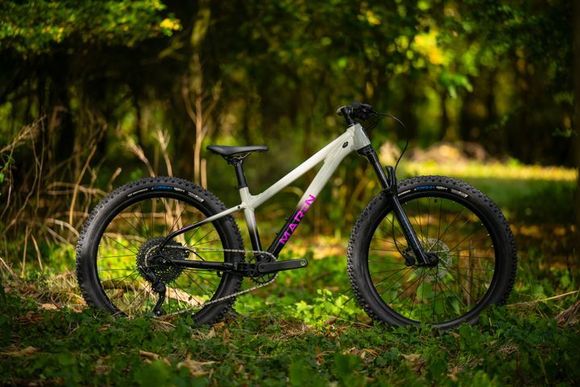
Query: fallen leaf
{"points": [[570, 316], [101, 368], [48, 307], [412, 357], [149, 355], [453, 373], [162, 325], [23, 352], [104, 327], [417, 362], [196, 368]]}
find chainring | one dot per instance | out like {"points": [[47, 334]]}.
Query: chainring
{"points": [[250, 256], [264, 278]]}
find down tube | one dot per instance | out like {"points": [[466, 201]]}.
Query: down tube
{"points": [[307, 200]]}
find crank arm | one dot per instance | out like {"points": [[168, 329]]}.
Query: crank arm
{"points": [[244, 268], [208, 265], [274, 267]]}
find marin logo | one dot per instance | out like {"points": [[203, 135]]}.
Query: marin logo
{"points": [[297, 218]]}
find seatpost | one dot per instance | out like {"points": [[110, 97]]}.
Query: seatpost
{"points": [[238, 163]]}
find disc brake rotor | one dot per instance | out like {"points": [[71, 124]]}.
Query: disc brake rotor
{"points": [[437, 246]]}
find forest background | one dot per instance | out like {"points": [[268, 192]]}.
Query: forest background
{"points": [[95, 94]]}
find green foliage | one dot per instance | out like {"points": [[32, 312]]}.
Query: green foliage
{"points": [[346, 370], [38, 26], [507, 347], [106, 75], [155, 374], [304, 373], [102, 72], [303, 329], [326, 305]]}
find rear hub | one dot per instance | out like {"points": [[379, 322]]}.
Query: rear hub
{"points": [[152, 260]]}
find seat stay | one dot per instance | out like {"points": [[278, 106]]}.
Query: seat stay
{"points": [[193, 226]]}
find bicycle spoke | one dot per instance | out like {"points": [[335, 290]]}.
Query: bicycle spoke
{"points": [[117, 256], [125, 250], [464, 271], [390, 276], [119, 243]]}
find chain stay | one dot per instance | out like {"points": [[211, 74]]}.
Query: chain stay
{"points": [[229, 296]]}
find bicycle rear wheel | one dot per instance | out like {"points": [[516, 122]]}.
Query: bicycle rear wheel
{"points": [[476, 255], [117, 253]]}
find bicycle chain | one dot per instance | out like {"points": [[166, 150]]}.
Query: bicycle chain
{"points": [[229, 296]]}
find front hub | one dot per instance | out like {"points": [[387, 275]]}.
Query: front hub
{"points": [[437, 254], [439, 258]]}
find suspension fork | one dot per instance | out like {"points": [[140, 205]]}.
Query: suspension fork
{"points": [[389, 183]]}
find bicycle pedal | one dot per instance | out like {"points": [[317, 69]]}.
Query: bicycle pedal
{"points": [[273, 267]]}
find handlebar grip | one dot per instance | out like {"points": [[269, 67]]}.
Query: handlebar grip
{"points": [[358, 105], [339, 110], [362, 111]]}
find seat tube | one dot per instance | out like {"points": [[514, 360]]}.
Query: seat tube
{"points": [[251, 220]]}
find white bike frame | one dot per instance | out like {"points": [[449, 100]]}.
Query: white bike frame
{"points": [[353, 139]]}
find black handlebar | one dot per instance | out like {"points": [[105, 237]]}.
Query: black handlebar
{"points": [[356, 112]]}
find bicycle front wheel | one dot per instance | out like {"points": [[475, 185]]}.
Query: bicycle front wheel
{"points": [[118, 265], [476, 254]]}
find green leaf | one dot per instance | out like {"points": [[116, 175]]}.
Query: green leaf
{"points": [[346, 370], [155, 374]]}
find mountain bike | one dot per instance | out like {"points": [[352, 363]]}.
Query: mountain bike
{"points": [[426, 250]]}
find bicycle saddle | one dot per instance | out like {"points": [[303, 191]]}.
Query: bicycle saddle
{"points": [[228, 151]]}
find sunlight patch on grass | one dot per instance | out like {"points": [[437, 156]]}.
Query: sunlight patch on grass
{"points": [[493, 170], [319, 246]]}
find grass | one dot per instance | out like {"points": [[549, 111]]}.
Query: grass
{"points": [[287, 333], [499, 171], [526, 193], [305, 329]]}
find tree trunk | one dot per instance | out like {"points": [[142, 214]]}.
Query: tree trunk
{"points": [[446, 132], [196, 89], [490, 103], [200, 132], [408, 115], [576, 137], [60, 117]]}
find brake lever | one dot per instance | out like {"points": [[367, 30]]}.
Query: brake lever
{"points": [[339, 111], [357, 105], [362, 111]]}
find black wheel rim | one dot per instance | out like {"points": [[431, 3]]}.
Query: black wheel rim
{"points": [[454, 290], [146, 219]]}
